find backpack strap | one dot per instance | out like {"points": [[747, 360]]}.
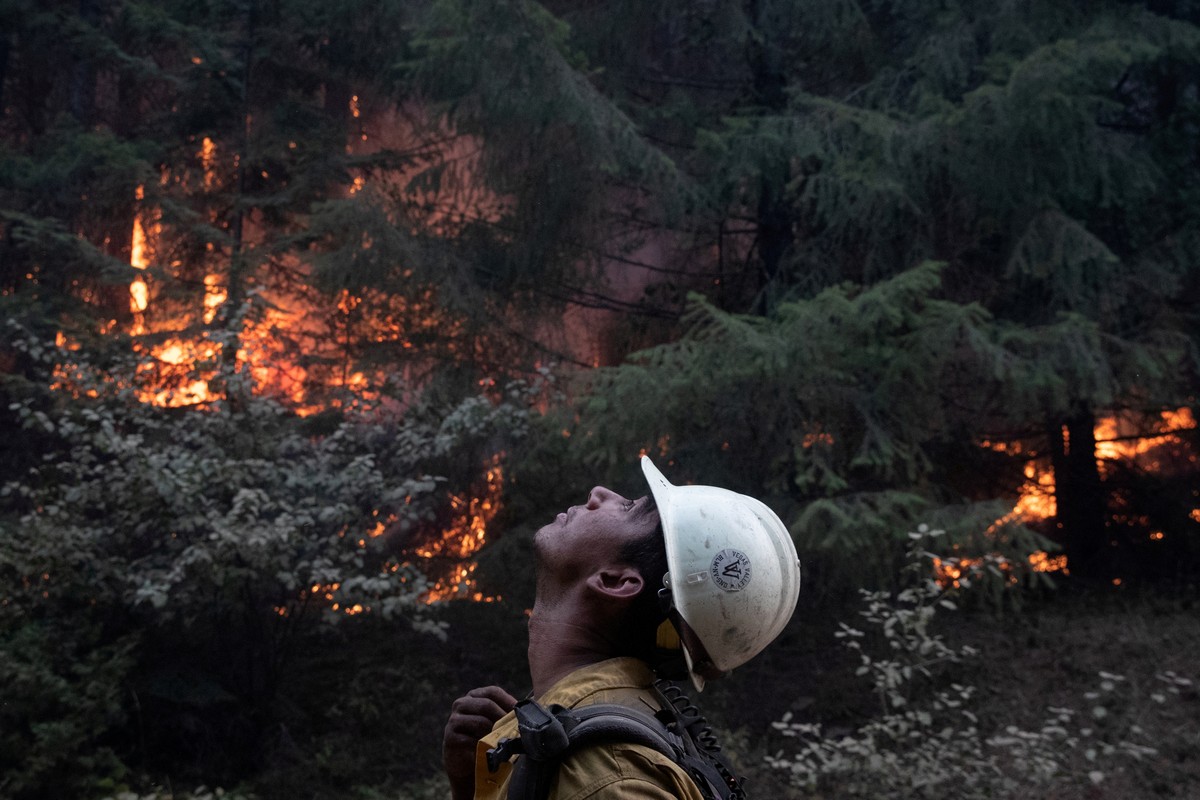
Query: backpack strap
{"points": [[549, 735]]}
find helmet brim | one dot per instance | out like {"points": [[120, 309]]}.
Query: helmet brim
{"points": [[662, 490], [704, 526]]}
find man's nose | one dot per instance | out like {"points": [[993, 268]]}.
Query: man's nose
{"points": [[598, 495]]}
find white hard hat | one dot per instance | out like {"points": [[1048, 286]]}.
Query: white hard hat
{"points": [[733, 573]]}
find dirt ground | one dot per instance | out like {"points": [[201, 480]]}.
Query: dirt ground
{"points": [[1060, 654]]}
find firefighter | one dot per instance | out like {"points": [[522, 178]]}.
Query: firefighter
{"points": [[697, 571]]}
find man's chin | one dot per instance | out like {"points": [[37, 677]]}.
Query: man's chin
{"points": [[556, 524], [550, 529]]}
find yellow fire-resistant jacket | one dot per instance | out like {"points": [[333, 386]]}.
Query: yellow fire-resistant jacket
{"points": [[615, 770]]}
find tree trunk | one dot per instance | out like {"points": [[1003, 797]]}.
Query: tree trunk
{"points": [[337, 103], [229, 314], [83, 74], [5, 47], [773, 216], [237, 258], [1079, 494]]}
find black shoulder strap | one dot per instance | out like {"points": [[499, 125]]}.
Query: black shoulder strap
{"points": [[549, 735]]}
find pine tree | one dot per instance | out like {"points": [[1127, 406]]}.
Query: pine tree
{"points": [[1036, 150]]}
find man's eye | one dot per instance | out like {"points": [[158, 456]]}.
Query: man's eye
{"points": [[627, 505]]}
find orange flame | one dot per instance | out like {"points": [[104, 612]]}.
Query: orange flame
{"points": [[176, 374], [445, 561], [950, 572], [139, 258], [1042, 561], [288, 321], [462, 538], [1119, 437], [184, 358], [208, 161]]}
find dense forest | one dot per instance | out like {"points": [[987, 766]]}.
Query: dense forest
{"points": [[314, 312]]}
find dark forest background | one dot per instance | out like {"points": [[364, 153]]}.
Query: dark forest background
{"points": [[313, 312]]}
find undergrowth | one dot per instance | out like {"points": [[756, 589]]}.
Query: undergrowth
{"points": [[928, 737]]}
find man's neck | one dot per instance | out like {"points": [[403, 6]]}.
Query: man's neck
{"points": [[559, 644]]}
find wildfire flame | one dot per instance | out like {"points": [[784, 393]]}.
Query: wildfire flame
{"points": [[462, 538], [139, 291], [444, 560], [294, 344], [185, 355], [1120, 438], [953, 571]]}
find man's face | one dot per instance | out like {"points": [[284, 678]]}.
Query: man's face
{"points": [[591, 536]]}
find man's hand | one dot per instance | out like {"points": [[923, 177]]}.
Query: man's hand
{"points": [[471, 718]]}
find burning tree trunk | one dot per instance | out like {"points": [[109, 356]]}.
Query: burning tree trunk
{"points": [[1079, 494], [228, 316]]}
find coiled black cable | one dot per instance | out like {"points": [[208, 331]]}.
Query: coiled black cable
{"points": [[701, 735], [690, 716]]}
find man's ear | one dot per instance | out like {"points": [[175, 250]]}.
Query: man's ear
{"points": [[617, 582]]}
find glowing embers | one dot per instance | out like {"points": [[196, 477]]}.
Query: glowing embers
{"points": [[326, 594], [178, 373], [208, 162], [329, 593], [441, 563], [436, 570], [1044, 562], [956, 572], [215, 295], [458, 585], [1036, 499]]}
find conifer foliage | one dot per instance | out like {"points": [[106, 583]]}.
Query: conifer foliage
{"points": [[866, 258], [1033, 150]]}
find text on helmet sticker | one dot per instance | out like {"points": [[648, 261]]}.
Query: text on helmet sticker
{"points": [[730, 569]]}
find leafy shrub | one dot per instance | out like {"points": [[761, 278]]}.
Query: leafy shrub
{"points": [[218, 536], [199, 793], [62, 694], [926, 741]]}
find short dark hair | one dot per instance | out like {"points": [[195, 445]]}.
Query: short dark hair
{"points": [[648, 555]]}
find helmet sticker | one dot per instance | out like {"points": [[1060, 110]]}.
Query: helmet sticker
{"points": [[730, 569]]}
